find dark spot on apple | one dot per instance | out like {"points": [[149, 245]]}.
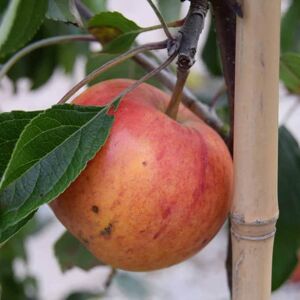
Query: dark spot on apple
{"points": [[106, 232], [144, 163], [95, 209], [85, 241]]}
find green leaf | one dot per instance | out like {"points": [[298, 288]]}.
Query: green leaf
{"points": [[169, 12], [51, 152], [96, 6], [287, 239], [49, 58], [290, 28], [10, 231], [115, 32], [71, 253], [20, 22], [290, 71], [210, 53], [11, 126], [59, 10]]}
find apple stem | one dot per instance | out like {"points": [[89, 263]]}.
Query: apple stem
{"points": [[175, 101], [189, 100], [186, 42]]}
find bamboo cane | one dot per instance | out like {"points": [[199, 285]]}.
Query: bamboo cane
{"points": [[255, 208]]}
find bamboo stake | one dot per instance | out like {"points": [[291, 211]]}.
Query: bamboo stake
{"points": [[255, 207]]}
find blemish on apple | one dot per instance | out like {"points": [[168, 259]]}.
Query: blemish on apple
{"points": [[106, 232], [95, 209]]}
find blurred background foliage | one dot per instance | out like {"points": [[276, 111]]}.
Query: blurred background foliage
{"points": [[40, 65]]}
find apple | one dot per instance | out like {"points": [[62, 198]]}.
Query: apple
{"points": [[157, 192], [295, 277]]}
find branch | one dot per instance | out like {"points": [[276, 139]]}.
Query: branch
{"points": [[40, 44], [123, 57], [176, 98], [186, 42], [161, 19]]}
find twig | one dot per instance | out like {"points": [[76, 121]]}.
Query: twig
{"points": [[42, 43], [109, 279], [83, 10], [187, 42], [161, 19], [146, 77], [188, 98], [123, 57]]}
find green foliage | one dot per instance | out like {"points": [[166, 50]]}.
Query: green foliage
{"points": [[11, 286], [96, 6], [210, 53], [115, 32], [290, 71], [49, 58], [20, 22], [287, 239], [51, 152], [59, 10], [11, 126], [71, 253], [290, 28], [169, 12], [128, 69]]}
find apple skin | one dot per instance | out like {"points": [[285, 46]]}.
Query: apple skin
{"points": [[157, 192], [295, 278]]}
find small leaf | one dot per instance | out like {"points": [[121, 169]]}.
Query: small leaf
{"points": [[59, 10], [71, 253], [169, 12], [20, 22], [115, 32], [51, 152], [290, 71], [287, 239], [11, 126]]}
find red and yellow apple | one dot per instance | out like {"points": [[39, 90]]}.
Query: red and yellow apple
{"points": [[157, 192]]}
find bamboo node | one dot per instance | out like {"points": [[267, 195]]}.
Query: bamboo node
{"points": [[258, 230]]}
